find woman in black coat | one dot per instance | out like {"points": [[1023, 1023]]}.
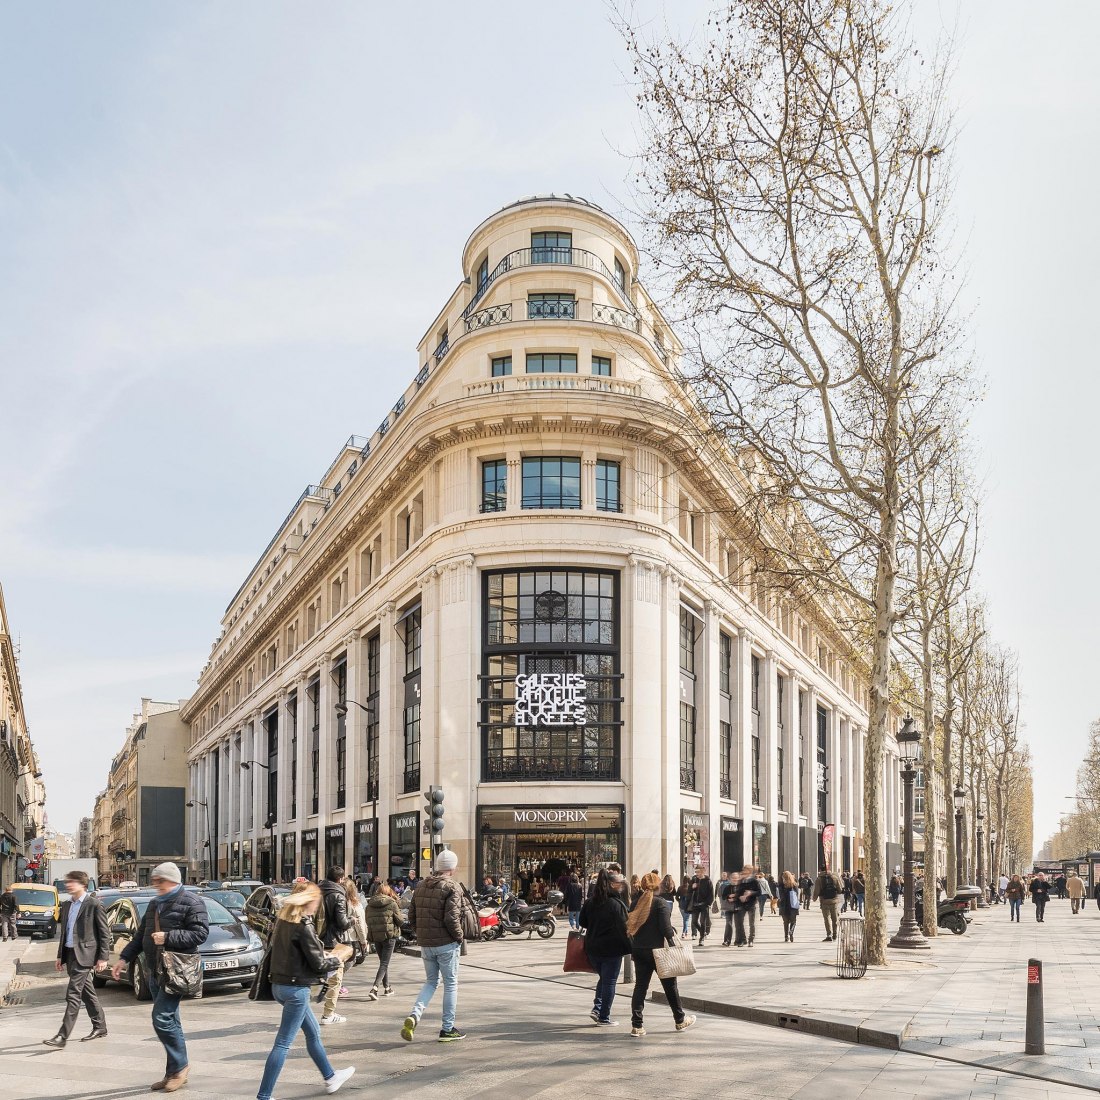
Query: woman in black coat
{"points": [[603, 918], [789, 897], [650, 926], [298, 961]]}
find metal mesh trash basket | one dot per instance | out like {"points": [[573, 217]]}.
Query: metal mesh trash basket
{"points": [[851, 946]]}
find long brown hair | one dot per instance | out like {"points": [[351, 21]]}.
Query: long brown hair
{"points": [[637, 916], [294, 905], [787, 880]]}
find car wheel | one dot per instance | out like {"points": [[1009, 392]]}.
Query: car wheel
{"points": [[546, 929], [139, 977]]}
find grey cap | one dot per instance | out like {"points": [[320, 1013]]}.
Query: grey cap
{"points": [[167, 871]]}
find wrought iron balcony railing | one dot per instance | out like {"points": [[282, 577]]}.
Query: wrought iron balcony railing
{"points": [[687, 778]]}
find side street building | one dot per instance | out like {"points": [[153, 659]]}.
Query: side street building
{"points": [[531, 586], [22, 792]]}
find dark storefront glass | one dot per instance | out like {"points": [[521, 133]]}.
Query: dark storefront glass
{"points": [[289, 862], [246, 859], [733, 844], [547, 622], [695, 842], [235, 860], [309, 853], [404, 843], [334, 848], [364, 852], [340, 676], [762, 846]]}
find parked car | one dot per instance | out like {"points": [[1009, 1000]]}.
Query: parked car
{"points": [[233, 900], [230, 953], [37, 909], [262, 906], [241, 885]]}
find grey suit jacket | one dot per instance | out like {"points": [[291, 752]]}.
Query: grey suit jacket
{"points": [[91, 936]]}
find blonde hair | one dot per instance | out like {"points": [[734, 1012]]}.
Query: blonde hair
{"points": [[788, 880], [295, 904], [650, 884], [353, 894]]}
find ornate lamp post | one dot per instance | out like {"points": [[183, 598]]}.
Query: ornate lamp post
{"points": [[959, 798], [994, 873], [982, 903], [909, 934]]}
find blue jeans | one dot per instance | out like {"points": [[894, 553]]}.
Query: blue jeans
{"points": [[297, 1015], [1014, 908], [607, 968], [574, 918], [860, 898], [166, 1023], [440, 961], [686, 914]]}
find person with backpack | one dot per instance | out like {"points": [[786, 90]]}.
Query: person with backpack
{"points": [[333, 925], [805, 888], [440, 913], [827, 891], [383, 930], [859, 891], [790, 901]]}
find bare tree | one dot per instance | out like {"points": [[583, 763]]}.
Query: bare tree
{"points": [[794, 177]]}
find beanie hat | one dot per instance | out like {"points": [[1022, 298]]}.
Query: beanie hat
{"points": [[167, 871], [446, 860]]}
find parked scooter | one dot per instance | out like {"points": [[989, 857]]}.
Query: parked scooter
{"points": [[516, 917], [951, 913]]}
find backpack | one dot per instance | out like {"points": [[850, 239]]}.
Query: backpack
{"points": [[467, 914], [828, 888], [793, 902]]}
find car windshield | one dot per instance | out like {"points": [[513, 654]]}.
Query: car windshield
{"points": [[216, 913], [227, 897], [25, 895]]}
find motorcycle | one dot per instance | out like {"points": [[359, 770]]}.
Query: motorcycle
{"points": [[951, 913], [517, 917]]}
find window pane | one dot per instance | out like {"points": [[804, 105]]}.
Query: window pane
{"points": [[551, 305], [494, 484], [502, 366], [551, 248], [551, 483], [601, 365], [551, 363], [607, 487]]}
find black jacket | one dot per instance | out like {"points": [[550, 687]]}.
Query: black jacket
{"points": [[7, 902], [574, 897], [182, 916], [91, 936], [297, 956], [657, 930], [783, 894], [702, 893], [747, 894], [337, 919], [604, 925], [1039, 888]]}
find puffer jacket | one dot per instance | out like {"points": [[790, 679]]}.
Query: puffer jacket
{"points": [[337, 922], [183, 918], [297, 956], [435, 912], [383, 918]]}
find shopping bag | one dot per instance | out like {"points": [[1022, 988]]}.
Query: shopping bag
{"points": [[576, 958], [676, 961]]}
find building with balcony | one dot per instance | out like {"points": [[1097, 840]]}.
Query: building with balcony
{"points": [[531, 587], [140, 817], [22, 791]]}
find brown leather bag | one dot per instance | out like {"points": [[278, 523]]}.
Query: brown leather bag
{"points": [[576, 958]]}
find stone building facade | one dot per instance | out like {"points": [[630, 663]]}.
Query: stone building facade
{"points": [[529, 587]]}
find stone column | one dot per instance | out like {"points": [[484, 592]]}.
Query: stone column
{"points": [[790, 725], [742, 737], [326, 796], [708, 711], [811, 759], [390, 737], [353, 726], [769, 740]]}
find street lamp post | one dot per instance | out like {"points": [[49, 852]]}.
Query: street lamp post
{"points": [[959, 796], [269, 823], [909, 934], [980, 818], [209, 837], [994, 870]]}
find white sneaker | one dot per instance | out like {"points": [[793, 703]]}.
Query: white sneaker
{"points": [[338, 1078], [685, 1023], [334, 1019]]}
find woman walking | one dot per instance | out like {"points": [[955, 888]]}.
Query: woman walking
{"points": [[298, 961], [649, 925], [358, 914], [383, 930], [1014, 891], [573, 900], [603, 917], [789, 904], [683, 900]]}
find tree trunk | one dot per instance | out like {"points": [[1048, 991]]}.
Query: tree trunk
{"points": [[929, 758], [951, 872]]}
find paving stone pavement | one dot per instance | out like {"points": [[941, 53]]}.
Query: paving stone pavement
{"points": [[529, 1036]]}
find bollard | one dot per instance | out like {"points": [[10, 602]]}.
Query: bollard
{"points": [[1034, 1042], [628, 970]]}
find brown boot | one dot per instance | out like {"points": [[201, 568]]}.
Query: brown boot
{"points": [[176, 1081], [157, 1086]]}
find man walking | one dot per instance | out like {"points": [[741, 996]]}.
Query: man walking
{"points": [[175, 920], [436, 913], [702, 898], [827, 890], [84, 948], [1040, 894], [1075, 888], [805, 889], [7, 914], [337, 922]]}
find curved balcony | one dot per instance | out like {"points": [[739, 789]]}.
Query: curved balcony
{"points": [[598, 312], [591, 383], [532, 257]]}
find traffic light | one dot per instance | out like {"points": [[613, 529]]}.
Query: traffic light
{"points": [[434, 799]]}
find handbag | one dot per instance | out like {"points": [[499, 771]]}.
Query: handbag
{"points": [[676, 961], [576, 958], [467, 915], [179, 973], [261, 983]]}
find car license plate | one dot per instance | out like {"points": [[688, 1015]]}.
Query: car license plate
{"points": [[24, 924], [221, 964]]}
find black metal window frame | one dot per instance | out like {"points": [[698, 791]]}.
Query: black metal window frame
{"points": [[340, 676], [550, 362], [780, 756], [500, 366], [550, 246], [483, 274], [542, 633], [494, 485], [609, 496], [688, 733], [550, 481], [411, 638], [292, 711], [601, 366], [271, 729], [725, 759], [725, 663], [620, 275], [689, 635], [755, 746], [313, 690], [412, 748], [374, 679], [559, 305], [802, 753], [823, 761]]}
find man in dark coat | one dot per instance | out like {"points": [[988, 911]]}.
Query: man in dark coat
{"points": [[334, 898], [702, 897], [84, 946]]}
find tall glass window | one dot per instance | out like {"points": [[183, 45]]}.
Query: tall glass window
{"points": [[725, 760], [374, 667], [725, 707], [501, 366], [822, 765], [607, 487], [620, 275], [551, 483], [802, 753], [551, 363], [755, 747], [725, 662], [494, 486], [314, 692], [340, 675], [688, 625], [551, 623], [687, 747], [483, 274], [551, 305], [780, 759], [411, 631], [551, 248], [601, 365], [292, 718]]}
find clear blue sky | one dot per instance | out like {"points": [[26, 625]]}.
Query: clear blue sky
{"points": [[223, 227]]}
